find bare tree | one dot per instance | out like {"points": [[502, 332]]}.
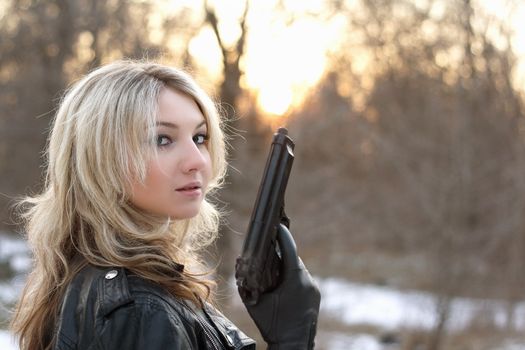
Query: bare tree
{"points": [[230, 93], [432, 153], [446, 142]]}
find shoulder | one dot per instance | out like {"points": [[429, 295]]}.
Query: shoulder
{"points": [[117, 310], [110, 308], [117, 288], [112, 288]]}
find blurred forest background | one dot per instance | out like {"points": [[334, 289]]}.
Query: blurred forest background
{"points": [[410, 156]]}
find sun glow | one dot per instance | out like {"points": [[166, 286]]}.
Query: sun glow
{"points": [[283, 59], [275, 101]]}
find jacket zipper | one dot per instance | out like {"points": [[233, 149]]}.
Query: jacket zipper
{"points": [[210, 335], [216, 343]]}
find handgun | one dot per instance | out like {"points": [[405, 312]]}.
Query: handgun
{"points": [[257, 269]]}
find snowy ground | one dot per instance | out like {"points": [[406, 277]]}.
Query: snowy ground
{"points": [[391, 309], [6, 341], [14, 252], [351, 303]]}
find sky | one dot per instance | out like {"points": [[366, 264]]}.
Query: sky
{"points": [[513, 16], [285, 59]]}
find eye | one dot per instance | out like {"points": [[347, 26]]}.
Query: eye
{"points": [[163, 140], [200, 139]]}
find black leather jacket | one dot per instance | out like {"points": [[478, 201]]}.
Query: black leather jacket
{"points": [[113, 309]]}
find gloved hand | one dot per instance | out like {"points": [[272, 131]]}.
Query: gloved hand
{"points": [[287, 315]]}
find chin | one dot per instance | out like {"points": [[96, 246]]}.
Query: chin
{"points": [[190, 214]]}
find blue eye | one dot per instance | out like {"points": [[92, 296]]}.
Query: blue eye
{"points": [[163, 140], [200, 139]]}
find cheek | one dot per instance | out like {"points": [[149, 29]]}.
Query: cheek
{"points": [[208, 166], [157, 175]]}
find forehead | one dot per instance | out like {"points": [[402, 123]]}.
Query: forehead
{"points": [[178, 108]]}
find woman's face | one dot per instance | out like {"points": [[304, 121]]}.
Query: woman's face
{"points": [[177, 178]]}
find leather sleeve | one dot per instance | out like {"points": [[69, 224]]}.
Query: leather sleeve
{"points": [[144, 325]]}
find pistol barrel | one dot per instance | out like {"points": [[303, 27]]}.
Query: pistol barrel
{"points": [[257, 268]]}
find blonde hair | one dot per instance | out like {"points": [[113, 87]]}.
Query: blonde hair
{"points": [[98, 144]]}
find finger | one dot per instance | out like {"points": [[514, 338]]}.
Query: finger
{"points": [[288, 248]]}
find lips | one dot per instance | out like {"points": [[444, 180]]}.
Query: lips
{"points": [[192, 186], [191, 191]]}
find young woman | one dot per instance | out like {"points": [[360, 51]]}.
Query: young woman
{"points": [[134, 151]]}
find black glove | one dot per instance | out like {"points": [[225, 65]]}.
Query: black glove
{"points": [[287, 315]]}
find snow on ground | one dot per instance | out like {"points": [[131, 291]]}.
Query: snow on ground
{"points": [[379, 306], [388, 308], [6, 341], [349, 302], [16, 251], [513, 346], [340, 341]]}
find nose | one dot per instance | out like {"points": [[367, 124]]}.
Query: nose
{"points": [[193, 159]]}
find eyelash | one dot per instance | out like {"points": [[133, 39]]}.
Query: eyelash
{"points": [[202, 136], [162, 137]]}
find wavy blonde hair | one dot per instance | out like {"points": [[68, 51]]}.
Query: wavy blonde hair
{"points": [[98, 145]]}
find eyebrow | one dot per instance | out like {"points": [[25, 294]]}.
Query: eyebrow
{"points": [[175, 126]]}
